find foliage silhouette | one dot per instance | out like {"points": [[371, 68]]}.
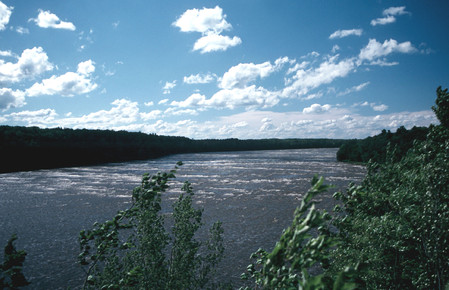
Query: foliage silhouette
{"points": [[134, 250], [11, 276]]}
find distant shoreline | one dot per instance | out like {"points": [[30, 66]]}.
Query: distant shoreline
{"points": [[33, 148]]}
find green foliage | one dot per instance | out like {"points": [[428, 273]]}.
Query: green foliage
{"points": [[134, 250], [397, 221], [375, 148], [11, 276], [305, 245], [442, 107]]}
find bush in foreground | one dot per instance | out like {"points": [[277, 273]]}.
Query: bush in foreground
{"points": [[134, 250]]}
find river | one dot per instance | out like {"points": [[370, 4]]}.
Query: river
{"points": [[253, 193]]}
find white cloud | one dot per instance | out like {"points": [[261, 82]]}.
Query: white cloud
{"points": [[210, 22], [68, 84], [395, 11], [86, 68], [151, 115], [177, 112], [345, 33], [379, 108], [22, 30], [5, 14], [389, 15], [240, 75], [305, 80], [375, 49], [30, 64], [384, 62], [316, 109], [162, 102], [6, 53], [204, 21], [298, 66], [11, 99], [215, 42], [39, 117], [353, 89], [249, 97], [194, 100], [46, 19], [122, 112], [168, 87], [335, 48], [149, 104], [383, 21], [200, 79]]}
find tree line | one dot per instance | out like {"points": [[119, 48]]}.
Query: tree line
{"points": [[29, 148]]}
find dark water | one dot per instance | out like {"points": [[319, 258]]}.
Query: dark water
{"points": [[253, 193]]}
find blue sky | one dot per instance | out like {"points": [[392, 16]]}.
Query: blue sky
{"points": [[223, 69]]}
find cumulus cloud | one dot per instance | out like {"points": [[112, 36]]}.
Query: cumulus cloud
{"points": [[5, 14], [210, 22], [305, 80], [249, 97], [375, 49], [39, 117], [11, 99], [194, 100], [345, 33], [215, 42], [240, 75], [200, 79], [151, 115], [204, 20], [389, 16], [30, 64], [6, 53], [316, 109], [379, 108], [46, 19], [86, 68], [122, 112], [68, 84]]}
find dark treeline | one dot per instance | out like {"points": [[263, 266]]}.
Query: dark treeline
{"points": [[375, 148], [29, 148]]}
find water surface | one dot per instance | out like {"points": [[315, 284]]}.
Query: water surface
{"points": [[253, 193]]}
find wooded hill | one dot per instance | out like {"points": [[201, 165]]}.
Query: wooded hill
{"points": [[30, 148]]}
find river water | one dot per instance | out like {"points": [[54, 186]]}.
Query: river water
{"points": [[253, 193]]}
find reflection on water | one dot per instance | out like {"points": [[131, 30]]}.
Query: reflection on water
{"points": [[253, 193]]}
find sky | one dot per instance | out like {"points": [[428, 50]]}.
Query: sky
{"points": [[244, 69]]}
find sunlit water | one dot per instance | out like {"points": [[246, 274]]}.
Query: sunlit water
{"points": [[253, 193]]}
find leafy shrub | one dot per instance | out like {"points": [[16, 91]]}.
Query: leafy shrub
{"points": [[11, 275], [134, 250], [305, 245], [397, 221]]}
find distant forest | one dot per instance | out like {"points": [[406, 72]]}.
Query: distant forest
{"points": [[30, 148], [375, 148]]}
